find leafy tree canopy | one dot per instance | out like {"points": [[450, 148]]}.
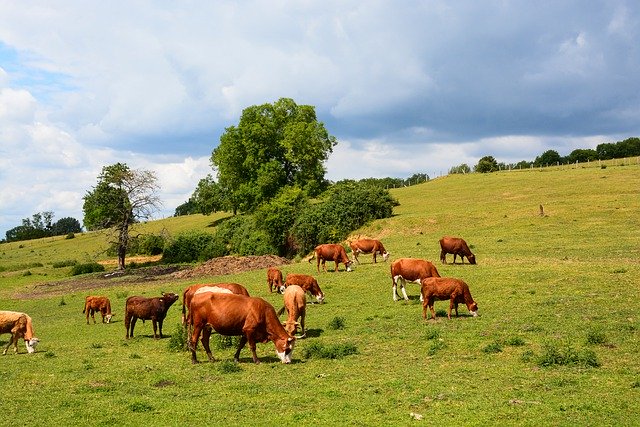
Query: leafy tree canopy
{"points": [[273, 146], [486, 164]]}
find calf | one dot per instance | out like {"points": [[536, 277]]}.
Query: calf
{"points": [[295, 302], [331, 252], [234, 288], [19, 326], [274, 278], [253, 319], [368, 246], [412, 270], [101, 304], [455, 246], [154, 309], [307, 283], [446, 288]]}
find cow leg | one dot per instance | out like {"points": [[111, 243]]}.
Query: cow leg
{"points": [[394, 280], [318, 264], [93, 312], [451, 304], [155, 328], [404, 292], [193, 342], [443, 256], [433, 311], [252, 346], [160, 321], [243, 341], [206, 336], [127, 323], [9, 345], [86, 310], [133, 325], [454, 258], [456, 306]]}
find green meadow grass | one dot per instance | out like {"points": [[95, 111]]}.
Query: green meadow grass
{"points": [[556, 342]]}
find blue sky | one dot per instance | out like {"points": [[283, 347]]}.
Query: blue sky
{"points": [[405, 87]]}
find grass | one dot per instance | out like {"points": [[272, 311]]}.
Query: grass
{"points": [[558, 296]]}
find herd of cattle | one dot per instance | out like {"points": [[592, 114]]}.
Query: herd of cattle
{"points": [[228, 309]]}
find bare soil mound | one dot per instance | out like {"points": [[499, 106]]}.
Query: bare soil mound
{"points": [[160, 273]]}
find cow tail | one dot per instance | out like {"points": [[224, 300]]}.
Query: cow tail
{"points": [[313, 255]]}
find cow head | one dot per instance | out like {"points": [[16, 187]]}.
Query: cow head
{"points": [[472, 259], [320, 297], [284, 349], [348, 265], [281, 289], [169, 297], [291, 327], [108, 317], [385, 256], [473, 309], [31, 344]]}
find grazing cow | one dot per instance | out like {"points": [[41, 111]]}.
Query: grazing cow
{"points": [[446, 288], [101, 304], [19, 326], [412, 270], [234, 288], [368, 246], [307, 283], [154, 309], [251, 318], [331, 252], [274, 278], [295, 302], [455, 246]]}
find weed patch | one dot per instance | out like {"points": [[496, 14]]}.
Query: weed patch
{"points": [[566, 356], [337, 323], [494, 347], [179, 340], [228, 367], [318, 350]]}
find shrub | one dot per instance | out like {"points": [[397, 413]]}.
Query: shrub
{"points": [[336, 351], [65, 263], [186, 247], [515, 341], [596, 337], [494, 347], [337, 323], [90, 267], [70, 236], [179, 340], [553, 355]]}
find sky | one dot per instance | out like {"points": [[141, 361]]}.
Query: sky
{"points": [[405, 86]]}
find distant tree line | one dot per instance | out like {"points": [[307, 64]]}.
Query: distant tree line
{"points": [[630, 147], [41, 225]]}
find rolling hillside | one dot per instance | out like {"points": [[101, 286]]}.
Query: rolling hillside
{"points": [[555, 343]]}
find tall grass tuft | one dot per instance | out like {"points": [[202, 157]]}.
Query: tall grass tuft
{"points": [[228, 367], [596, 337], [318, 350], [567, 356], [337, 323], [179, 340]]}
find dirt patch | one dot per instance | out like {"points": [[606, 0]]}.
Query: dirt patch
{"points": [[158, 273]]}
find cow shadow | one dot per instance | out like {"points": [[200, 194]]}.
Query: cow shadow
{"points": [[313, 333]]}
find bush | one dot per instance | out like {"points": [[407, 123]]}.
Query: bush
{"points": [[596, 337], [66, 263], [187, 247], [337, 323], [70, 236], [179, 340], [90, 267], [553, 355], [241, 235]]}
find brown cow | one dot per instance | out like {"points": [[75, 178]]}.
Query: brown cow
{"points": [[274, 278], [412, 270], [92, 304], [154, 309], [188, 293], [331, 252], [368, 246], [295, 302], [446, 288], [251, 318], [455, 246], [19, 325], [307, 283]]}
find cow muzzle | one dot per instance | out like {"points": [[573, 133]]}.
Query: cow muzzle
{"points": [[31, 345]]}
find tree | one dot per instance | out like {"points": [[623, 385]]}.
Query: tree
{"points": [[273, 146], [486, 164], [209, 197], [548, 158], [122, 197], [65, 226], [462, 168], [582, 155]]}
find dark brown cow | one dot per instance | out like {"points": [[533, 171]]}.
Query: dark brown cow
{"points": [[253, 319], [446, 288], [306, 282], [412, 270], [331, 252], [154, 309], [455, 246], [368, 246], [234, 288], [19, 325], [295, 302], [274, 278], [93, 304]]}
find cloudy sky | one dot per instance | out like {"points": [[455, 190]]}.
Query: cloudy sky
{"points": [[405, 86]]}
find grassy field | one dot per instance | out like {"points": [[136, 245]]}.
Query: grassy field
{"points": [[556, 342]]}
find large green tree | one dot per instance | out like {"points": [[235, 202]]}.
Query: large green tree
{"points": [[122, 197], [486, 164], [273, 146]]}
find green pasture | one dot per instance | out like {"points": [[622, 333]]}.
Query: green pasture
{"points": [[556, 342]]}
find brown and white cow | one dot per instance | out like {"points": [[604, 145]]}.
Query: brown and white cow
{"points": [[446, 288], [295, 302], [274, 278], [410, 270], [234, 288], [251, 318], [154, 309], [19, 325], [368, 246], [93, 304], [307, 283], [331, 252], [455, 246]]}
